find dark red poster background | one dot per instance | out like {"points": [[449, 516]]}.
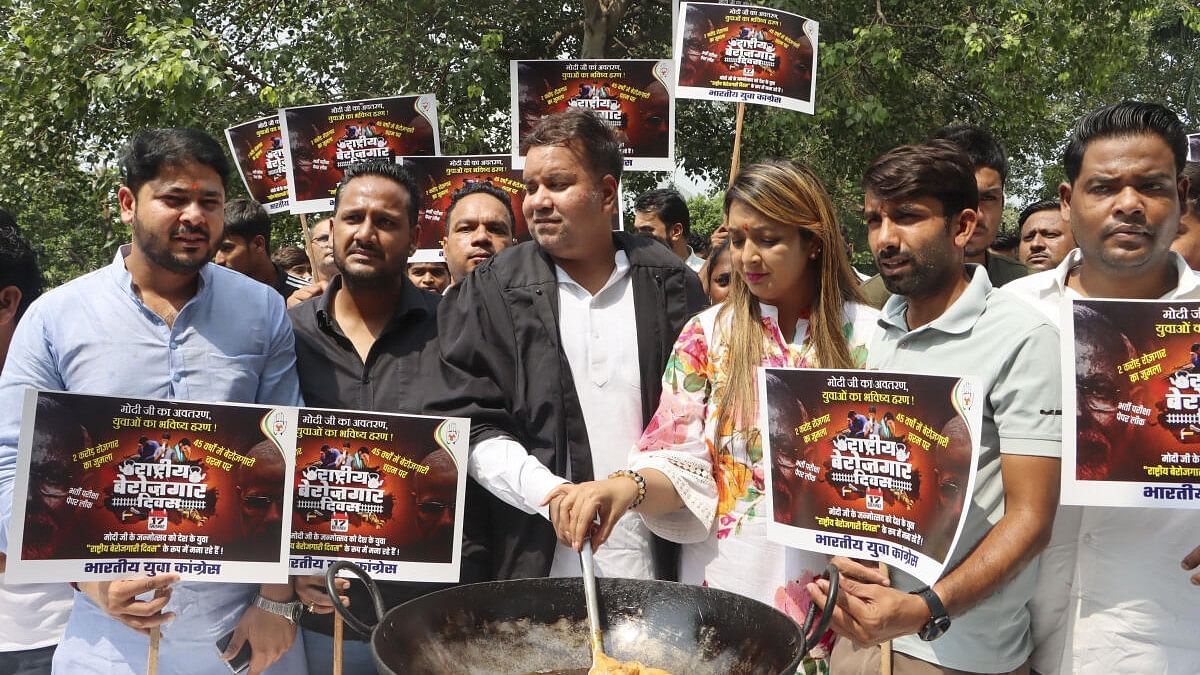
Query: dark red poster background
{"points": [[711, 31], [796, 398], [65, 466], [1128, 358], [439, 178], [257, 147], [393, 448]]}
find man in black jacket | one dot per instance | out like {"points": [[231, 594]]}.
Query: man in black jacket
{"points": [[555, 349]]}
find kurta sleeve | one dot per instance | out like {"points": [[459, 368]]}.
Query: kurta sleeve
{"points": [[675, 443]]}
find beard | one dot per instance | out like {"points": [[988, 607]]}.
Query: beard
{"points": [[158, 251], [366, 277], [924, 276]]}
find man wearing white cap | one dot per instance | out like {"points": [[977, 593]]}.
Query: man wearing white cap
{"points": [[427, 269]]}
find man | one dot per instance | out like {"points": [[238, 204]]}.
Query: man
{"points": [[293, 260], [160, 322], [246, 247], [479, 224], [1123, 196], [555, 350], [1045, 235], [945, 318], [427, 270], [663, 215], [359, 346], [260, 500], [1006, 243], [991, 170], [20, 282], [320, 247], [1187, 240]]}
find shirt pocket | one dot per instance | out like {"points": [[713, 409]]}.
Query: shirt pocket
{"points": [[235, 378]]}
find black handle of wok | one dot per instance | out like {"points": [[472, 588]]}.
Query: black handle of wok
{"points": [[812, 638], [372, 590]]}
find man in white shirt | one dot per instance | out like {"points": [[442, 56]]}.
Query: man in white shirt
{"points": [[663, 215], [555, 351], [1111, 595]]}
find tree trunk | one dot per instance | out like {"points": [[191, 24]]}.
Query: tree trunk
{"points": [[600, 21]]}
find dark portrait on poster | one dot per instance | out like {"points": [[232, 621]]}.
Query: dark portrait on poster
{"points": [[869, 464], [257, 150], [1134, 437], [738, 53], [321, 141], [634, 97], [110, 487], [385, 491], [438, 178]]}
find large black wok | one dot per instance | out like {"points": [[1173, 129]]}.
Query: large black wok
{"points": [[540, 625]]}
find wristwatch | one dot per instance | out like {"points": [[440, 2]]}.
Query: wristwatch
{"points": [[288, 610], [939, 621]]}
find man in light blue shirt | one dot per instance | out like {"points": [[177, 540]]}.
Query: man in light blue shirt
{"points": [[160, 322]]}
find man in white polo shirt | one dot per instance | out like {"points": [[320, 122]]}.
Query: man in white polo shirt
{"points": [[945, 318], [1111, 595]]}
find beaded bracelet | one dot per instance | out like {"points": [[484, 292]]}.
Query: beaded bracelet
{"points": [[637, 478]]}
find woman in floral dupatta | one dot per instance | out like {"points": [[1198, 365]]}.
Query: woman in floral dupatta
{"points": [[793, 302]]}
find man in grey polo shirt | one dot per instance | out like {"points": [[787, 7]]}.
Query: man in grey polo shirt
{"points": [[945, 318]]}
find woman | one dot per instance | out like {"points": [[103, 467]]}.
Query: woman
{"points": [[718, 271], [696, 475]]}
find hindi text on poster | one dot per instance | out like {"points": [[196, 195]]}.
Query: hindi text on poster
{"points": [[257, 149]]}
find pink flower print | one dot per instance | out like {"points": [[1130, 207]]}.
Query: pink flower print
{"points": [[725, 525], [759, 478], [670, 425], [793, 600]]}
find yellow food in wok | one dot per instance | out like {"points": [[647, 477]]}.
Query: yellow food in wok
{"points": [[602, 664]]}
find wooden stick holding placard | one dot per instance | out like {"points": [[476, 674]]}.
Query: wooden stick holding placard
{"points": [[337, 642], [735, 166], [885, 649], [152, 656]]}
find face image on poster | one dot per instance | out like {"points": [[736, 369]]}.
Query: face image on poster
{"points": [[385, 491], [321, 141], [1134, 436], [633, 97], [746, 54], [869, 464], [257, 149], [439, 178], [110, 487]]}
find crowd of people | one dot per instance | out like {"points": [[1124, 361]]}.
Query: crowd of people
{"points": [[612, 376]]}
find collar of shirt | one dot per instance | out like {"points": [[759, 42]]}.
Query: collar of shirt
{"points": [[958, 318], [412, 300], [1054, 282], [124, 280], [565, 282]]}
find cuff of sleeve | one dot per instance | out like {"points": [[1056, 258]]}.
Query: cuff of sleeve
{"points": [[694, 483], [1037, 447], [537, 486]]}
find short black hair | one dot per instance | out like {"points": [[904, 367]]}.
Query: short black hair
{"points": [[7, 222], [389, 170], [1192, 171], [19, 267], [289, 255], [1006, 240], [980, 146], [1036, 207], [151, 149], [1127, 118], [483, 187], [247, 219], [938, 169], [668, 205], [601, 149]]}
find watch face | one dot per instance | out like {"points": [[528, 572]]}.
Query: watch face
{"points": [[936, 628]]}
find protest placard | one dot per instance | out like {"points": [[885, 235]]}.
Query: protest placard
{"points": [[109, 487], [385, 491], [438, 178], [1131, 394], [257, 150], [869, 464], [632, 96], [321, 140], [743, 54]]}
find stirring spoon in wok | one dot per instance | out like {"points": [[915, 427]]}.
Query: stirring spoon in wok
{"points": [[589, 595]]}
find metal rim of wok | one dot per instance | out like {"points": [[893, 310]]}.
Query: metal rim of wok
{"points": [[526, 626]]}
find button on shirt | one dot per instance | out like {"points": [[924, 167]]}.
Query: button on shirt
{"points": [[1111, 597], [990, 334], [599, 338], [231, 342]]}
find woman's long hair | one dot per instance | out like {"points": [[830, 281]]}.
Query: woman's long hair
{"points": [[789, 193]]}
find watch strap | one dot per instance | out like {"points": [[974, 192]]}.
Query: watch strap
{"points": [[288, 610], [936, 608]]}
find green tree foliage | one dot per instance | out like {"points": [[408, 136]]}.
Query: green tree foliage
{"points": [[78, 76]]}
